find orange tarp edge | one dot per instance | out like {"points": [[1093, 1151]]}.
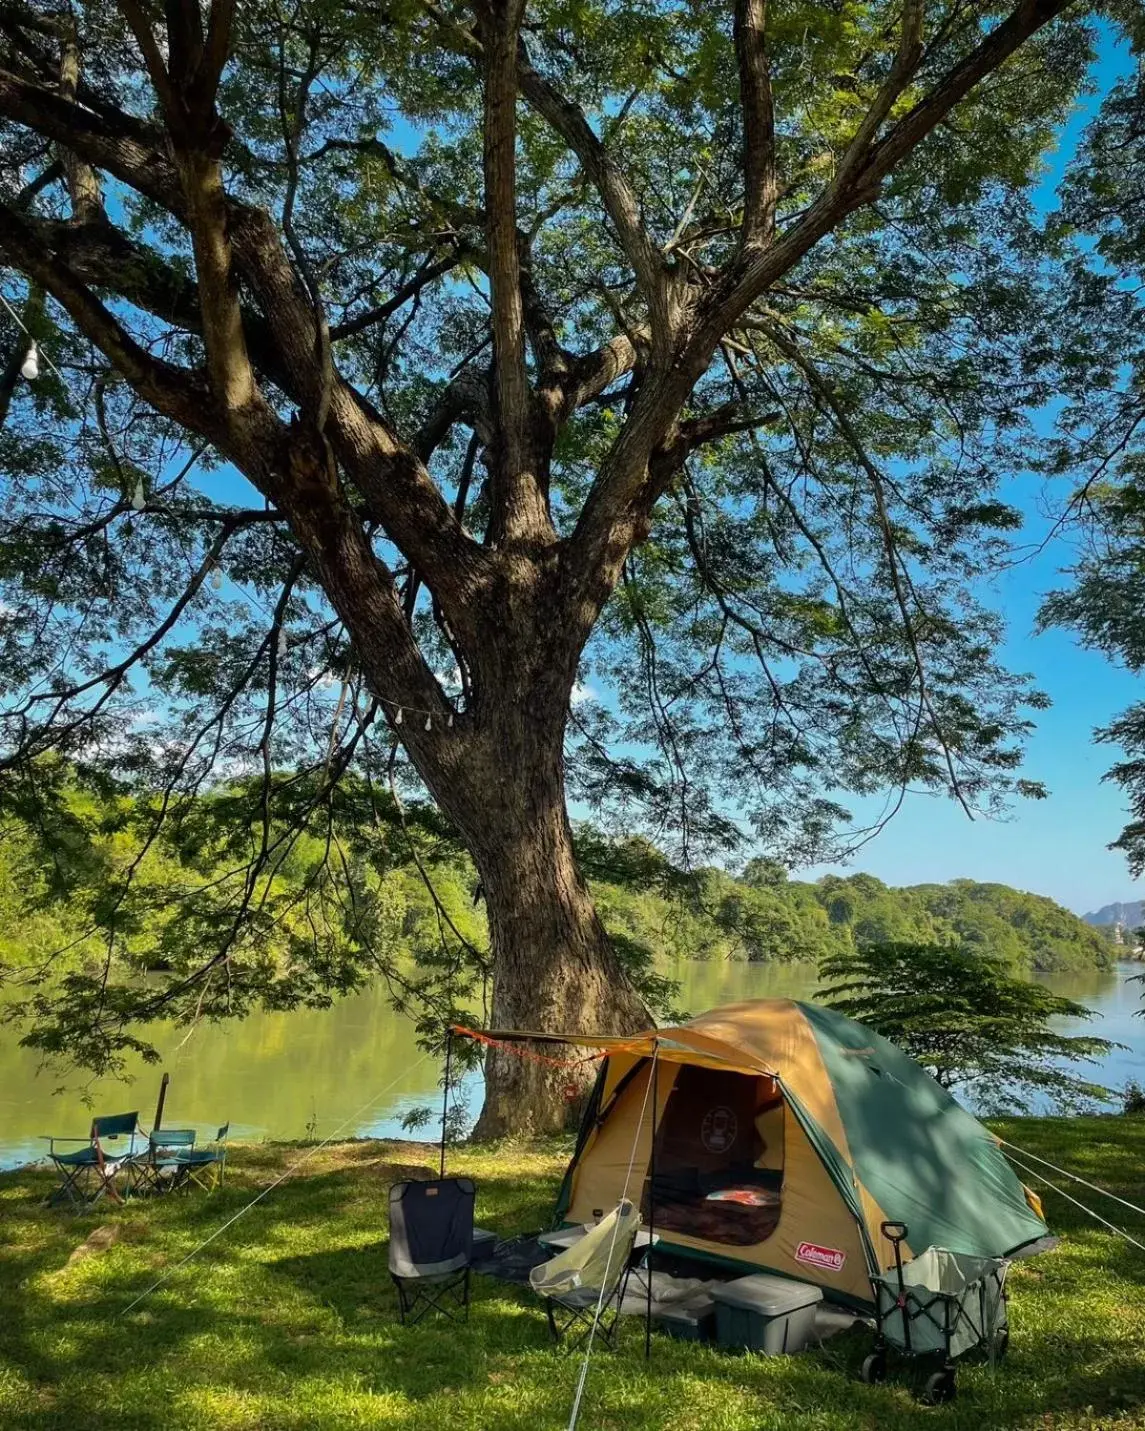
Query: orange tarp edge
{"points": [[672, 1045]]}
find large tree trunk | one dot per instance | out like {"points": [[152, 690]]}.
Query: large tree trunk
{"points": [[553, 968]]}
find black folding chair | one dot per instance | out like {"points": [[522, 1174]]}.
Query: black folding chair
{"points": [[431, 1247]]}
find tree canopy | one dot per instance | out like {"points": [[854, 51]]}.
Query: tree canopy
{"points": [[1101, 431], [972, 1025], [410, 370]]}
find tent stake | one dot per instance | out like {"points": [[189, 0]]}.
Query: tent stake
{"points": [[445, 1093], [651, 1211]]}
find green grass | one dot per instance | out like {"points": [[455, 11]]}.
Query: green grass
{"points": [[288, 1319]]}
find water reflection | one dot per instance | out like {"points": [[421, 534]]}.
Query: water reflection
{"points": [[355, 1068]]}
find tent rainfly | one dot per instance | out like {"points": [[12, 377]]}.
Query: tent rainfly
{"points": [[782, 1136]]}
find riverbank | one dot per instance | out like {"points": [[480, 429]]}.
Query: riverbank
{"points": [[287, 1321], [299, 1072]]}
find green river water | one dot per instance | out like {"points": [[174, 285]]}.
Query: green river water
{"points": [[354, 1069]]}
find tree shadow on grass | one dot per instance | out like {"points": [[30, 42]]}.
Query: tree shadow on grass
{"points": [[298, 1294]]}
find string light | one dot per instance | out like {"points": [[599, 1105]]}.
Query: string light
{"points": [[398, 714], [283, 643], [34, 353], [217, 577], [139, 497]]}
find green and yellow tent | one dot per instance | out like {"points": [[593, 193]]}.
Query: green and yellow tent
{"points": [[778, 1135]]}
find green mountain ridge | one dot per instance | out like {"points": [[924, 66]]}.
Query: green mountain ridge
{"points": [[764, 916]]}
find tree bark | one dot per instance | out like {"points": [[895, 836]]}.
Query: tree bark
{"points": [[553, 968]]}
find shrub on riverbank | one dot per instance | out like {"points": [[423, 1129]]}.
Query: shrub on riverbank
{"points": [[287, 1321]]}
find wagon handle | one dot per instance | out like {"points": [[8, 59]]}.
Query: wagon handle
{"points": [[896, 1235]]}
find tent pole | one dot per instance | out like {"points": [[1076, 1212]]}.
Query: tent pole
{"points": [[651, 1210], [445, 1093]]}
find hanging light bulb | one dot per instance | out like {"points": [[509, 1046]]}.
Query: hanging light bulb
{"points": [[31, 366], [398, 717], [428, 723], [139, 497], [217, 578], [449, 722], [283, 644]]}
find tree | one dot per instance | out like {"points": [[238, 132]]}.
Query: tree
{"points": [[969, 1022], [483, 351], [1100, 438]]}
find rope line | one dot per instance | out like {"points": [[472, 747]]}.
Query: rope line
{"points": [[612, 1245], [1132, 1206], [526, 1053], [266, 1191], [1112, 1226]]}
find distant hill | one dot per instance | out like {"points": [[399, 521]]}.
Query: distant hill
{"points": [[1129, 916], [763, 916]]}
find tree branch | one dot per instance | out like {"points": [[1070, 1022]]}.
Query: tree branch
{"points": [[176, 392], [761, 186], [519, 507], [616, 193], [82, 180]]}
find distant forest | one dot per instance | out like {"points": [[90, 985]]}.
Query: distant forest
{"points": [[763, 916], [419, 884]]}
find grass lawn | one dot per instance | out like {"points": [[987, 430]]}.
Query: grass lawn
{"points": [[288, 1319]]}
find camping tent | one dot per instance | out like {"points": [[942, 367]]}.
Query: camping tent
{"points": [[778, 1135]]}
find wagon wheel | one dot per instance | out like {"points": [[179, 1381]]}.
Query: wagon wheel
{"points": [[874, 1368], [940, 1387]]}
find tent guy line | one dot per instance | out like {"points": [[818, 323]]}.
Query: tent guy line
{"points": [[270, 1187], [1073, 1177], [1097, 1217], [581, 1379]]}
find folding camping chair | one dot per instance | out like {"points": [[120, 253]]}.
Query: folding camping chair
{"points": [[205, 1167], [162, 1168], [90, 1172], [431, 1246], [583, 1287]]}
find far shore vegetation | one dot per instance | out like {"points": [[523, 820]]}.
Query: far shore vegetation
{"points": [[120, 920]]}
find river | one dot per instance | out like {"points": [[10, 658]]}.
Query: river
{"points": [[354, 1069]]}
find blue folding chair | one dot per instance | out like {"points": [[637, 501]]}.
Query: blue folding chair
{"points": [[90, 1172], [205, 1167], [162, 1167]]}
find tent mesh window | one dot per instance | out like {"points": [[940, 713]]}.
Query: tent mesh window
{"points": [[719, 1158]]}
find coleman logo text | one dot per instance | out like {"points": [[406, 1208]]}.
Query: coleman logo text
{"points": [[829, 1258]]}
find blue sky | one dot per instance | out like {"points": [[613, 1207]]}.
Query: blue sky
{"points": [[1056, 846]]}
